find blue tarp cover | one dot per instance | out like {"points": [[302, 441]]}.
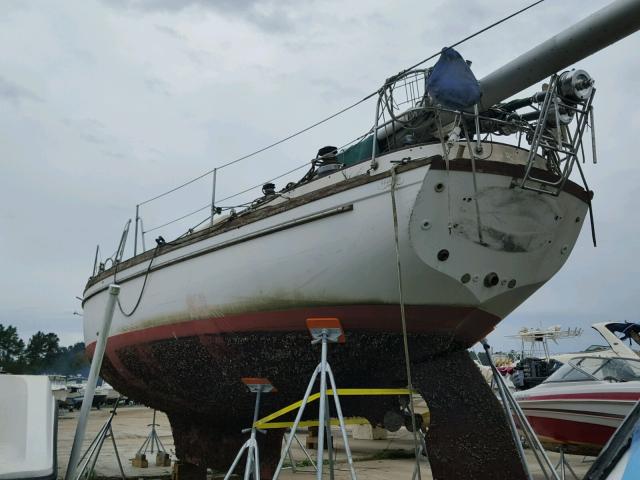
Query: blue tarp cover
{"points": [[452, 83]]}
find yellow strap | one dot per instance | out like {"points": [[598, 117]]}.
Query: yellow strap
{"points": [[266, 421], [313, 423]]}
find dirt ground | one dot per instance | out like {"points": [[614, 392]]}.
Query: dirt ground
{"points": [[130, 428], [375, 459]]}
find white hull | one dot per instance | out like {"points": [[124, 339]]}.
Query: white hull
{"points": [[347, 257]]}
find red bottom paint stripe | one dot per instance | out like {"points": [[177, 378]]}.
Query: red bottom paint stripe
{"points": [[466, 324], [570, 432], [632, 396]]}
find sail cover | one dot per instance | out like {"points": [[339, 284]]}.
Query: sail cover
{"points": [[452, 83]]}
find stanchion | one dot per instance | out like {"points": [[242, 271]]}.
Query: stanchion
{"points": [[421, 451], [252, 465], [323, 330]]}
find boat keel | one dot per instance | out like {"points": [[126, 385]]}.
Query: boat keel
{"points": [[205, 443], [468, 436]]}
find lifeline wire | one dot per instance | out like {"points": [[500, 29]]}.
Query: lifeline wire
{"points": [[208, 205], [340, 112]]}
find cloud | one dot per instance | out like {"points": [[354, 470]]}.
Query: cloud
{"points": [[171, 32], [270, 16], [15, 93], [158, 86], [95, 133]]}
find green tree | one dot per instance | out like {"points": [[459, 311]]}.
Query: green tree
{"points": [[69, 360], [41, 351], [77, 357], [11, 347]]}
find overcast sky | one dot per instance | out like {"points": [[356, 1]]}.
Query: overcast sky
{"points": [[104, 104]]}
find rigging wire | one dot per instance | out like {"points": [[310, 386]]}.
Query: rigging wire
{"points": [[256, 152], [475, 34], [405, 340], [343, 110]]}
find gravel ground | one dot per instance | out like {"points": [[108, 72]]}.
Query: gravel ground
{"points": [[376, 459]]}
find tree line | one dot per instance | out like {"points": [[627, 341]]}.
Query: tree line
{"points": [[42, 354]]}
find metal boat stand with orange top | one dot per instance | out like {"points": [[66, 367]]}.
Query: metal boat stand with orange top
{"points": [[323, 330], [252, 467]]}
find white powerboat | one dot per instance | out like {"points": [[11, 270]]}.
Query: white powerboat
{"points": [[110, 393], [615, 347], [580, 406], [75, 394]]}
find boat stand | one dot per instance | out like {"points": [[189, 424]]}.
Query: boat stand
{"points": [[87, 463], [291, 433], [153, 440], [422, 450], [252, 465], [512, 409], [323, 331], [90, 389], [563, 465]]}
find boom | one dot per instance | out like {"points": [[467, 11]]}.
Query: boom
{"points": [[597, 31]]}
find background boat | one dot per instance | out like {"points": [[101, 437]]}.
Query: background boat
{"points": [[582, 404], [28, 416]]}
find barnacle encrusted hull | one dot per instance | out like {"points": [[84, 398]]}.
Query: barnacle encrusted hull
{"points": [[195, 380]]}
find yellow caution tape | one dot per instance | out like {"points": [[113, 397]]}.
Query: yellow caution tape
{"points": [[267, 423], [313, 423]]}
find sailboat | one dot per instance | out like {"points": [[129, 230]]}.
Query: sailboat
{"points": [[426, 221]]}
